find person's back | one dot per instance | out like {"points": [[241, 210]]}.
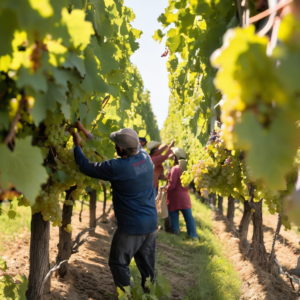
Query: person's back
{"points": [[131, 177], [178, 197], [133, 193]]}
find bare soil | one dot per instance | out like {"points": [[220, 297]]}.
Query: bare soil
{"points": [[258, 284], [89, 276]]}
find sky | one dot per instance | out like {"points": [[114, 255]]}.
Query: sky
{"points": [[148, 58]]}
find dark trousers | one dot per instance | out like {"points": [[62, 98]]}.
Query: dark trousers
{"points": [[126, 246]]}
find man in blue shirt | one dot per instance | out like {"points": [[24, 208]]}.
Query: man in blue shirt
{"points": [[131, 177]]}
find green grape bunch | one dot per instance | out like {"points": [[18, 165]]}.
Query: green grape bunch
{"points": [[260, 108], [219, 169], [66, 173]]}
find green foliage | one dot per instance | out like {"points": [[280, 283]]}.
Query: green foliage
{"points": [[13, 228], [262, 97], [57, 64], [198, 29], [225, 173], [160, 289], [23, 168], [11, 288]]}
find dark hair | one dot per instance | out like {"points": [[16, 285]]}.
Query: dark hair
{"points": [[152, 151], [128, 152]]}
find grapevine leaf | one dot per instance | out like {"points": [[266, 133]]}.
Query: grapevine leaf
{"points": [[4, 120], [39, 110], [158, 35], [273, 146], [127, 290], [79, 29], [173, 62], [8, 24], [114, 90], [224, 6], [55, 93], [187, 19], [124, 103], [93, 110], [22, 287], [136, 33], [11, 214], [66, 110], [108, 148], [105, 53], [289, 72], [137, 292], [106, 28], [115, 77], [104, 127], [23, 168], [9, 287], [36, 81], [93, 82], [95, 143], [61, 77], [173, 40], [124, 29], [43, 7], [200, 7], [82, 111], [74, 61], [134, 45], [3, 266]]}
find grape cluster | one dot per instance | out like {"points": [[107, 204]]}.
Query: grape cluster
{"points": [[48, 204], [218, 171], [186, 178], [225, 173], [61, 144]]}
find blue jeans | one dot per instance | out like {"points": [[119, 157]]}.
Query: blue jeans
{"points": [[189, 220]]}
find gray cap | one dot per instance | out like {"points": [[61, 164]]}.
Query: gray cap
{"points": [[126, 138]]}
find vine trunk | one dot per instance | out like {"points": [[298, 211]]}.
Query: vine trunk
{"points": [[257, 250], [230, 215], [220, 204], [93, 199], [65, 237], [39, 256]]}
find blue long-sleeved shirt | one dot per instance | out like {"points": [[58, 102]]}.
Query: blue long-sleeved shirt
{"points": [[133, 191]]}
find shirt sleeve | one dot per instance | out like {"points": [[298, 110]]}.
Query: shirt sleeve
{"points": [[159, 159], [103, 171], [172, 177], [90, 136], [161, 150]]}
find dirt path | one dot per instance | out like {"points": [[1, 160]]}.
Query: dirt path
{"points": [[258, 284], [88, 275]]}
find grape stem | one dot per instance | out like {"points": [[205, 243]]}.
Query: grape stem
{"points": [[11, 134], [52, 151]]}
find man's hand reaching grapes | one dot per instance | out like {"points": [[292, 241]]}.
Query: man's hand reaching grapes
{"points": [[76, 137]]}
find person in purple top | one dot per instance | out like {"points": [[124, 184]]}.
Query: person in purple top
{"points": [[131, 177]]}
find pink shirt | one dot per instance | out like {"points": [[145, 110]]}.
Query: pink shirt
{"points": [[157, 160], [178, 197]]}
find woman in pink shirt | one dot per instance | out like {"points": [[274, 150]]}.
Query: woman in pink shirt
{"points": [[158, 158], [178, 198]]}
